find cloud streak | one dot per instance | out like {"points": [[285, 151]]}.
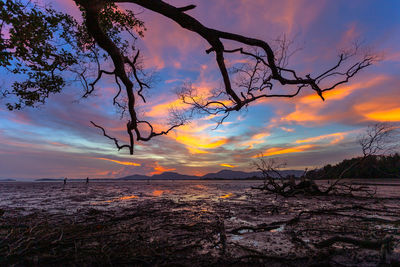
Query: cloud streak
{"points": [[127, 163]]}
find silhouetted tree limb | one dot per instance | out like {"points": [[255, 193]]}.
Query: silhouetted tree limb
{"points": [[274, 65], [116, 142], [186, 8], [266, 67], [93, 24]]}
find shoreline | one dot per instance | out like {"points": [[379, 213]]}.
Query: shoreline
{"points": [[355, 181]]}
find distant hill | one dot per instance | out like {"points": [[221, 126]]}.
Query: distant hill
{"points": [[229, 174], [7, 180], [223, 174], [174, 176], [135, 177]]}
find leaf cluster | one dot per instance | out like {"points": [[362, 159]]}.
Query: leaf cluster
{"points": [[39, 45]]}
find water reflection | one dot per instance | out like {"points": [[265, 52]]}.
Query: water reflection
{"points": [[158, 192], [122, 198], [227, 195], [200, 186]]}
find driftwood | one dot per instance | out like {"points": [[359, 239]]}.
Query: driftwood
{"points": [[289, 187], [275, 183], [377, 140]]}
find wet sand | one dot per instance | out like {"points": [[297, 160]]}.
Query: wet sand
{"points": [[194, 223]]}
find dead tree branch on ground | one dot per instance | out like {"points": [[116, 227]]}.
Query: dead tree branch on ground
{"points": [[275, 183], [377, 140]]}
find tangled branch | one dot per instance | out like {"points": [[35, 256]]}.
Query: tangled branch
{"points": [[266, 68]]}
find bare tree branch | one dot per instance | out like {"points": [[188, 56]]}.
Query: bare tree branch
{"points": [[378, 139], [92, 22], [109, 137], [266, 68], [186, 8]]}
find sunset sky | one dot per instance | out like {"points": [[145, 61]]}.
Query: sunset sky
{"points": [[57, 139]]}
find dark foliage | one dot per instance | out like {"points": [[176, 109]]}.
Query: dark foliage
{"points": [[45, 49], [370, 167]]}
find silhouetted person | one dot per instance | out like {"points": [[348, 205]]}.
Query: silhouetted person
{"points": [[87, 180], [65, 180]]}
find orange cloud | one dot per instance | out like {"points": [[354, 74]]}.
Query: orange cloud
{"points": [[343, 91], [194, 141], [336, 137], [250, 144], [227, 165], [255, 139], [309, 107], [301, 115], [196, 151], [385, 115], [260, 135], [160, 169], [278, 150], [128, 163], [162, 109], [195, 137], [380, 110]]}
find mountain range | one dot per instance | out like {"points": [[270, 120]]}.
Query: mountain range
{"points": [[223, 174]]}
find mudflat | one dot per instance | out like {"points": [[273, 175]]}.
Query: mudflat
{"points": [[194, 223]]}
